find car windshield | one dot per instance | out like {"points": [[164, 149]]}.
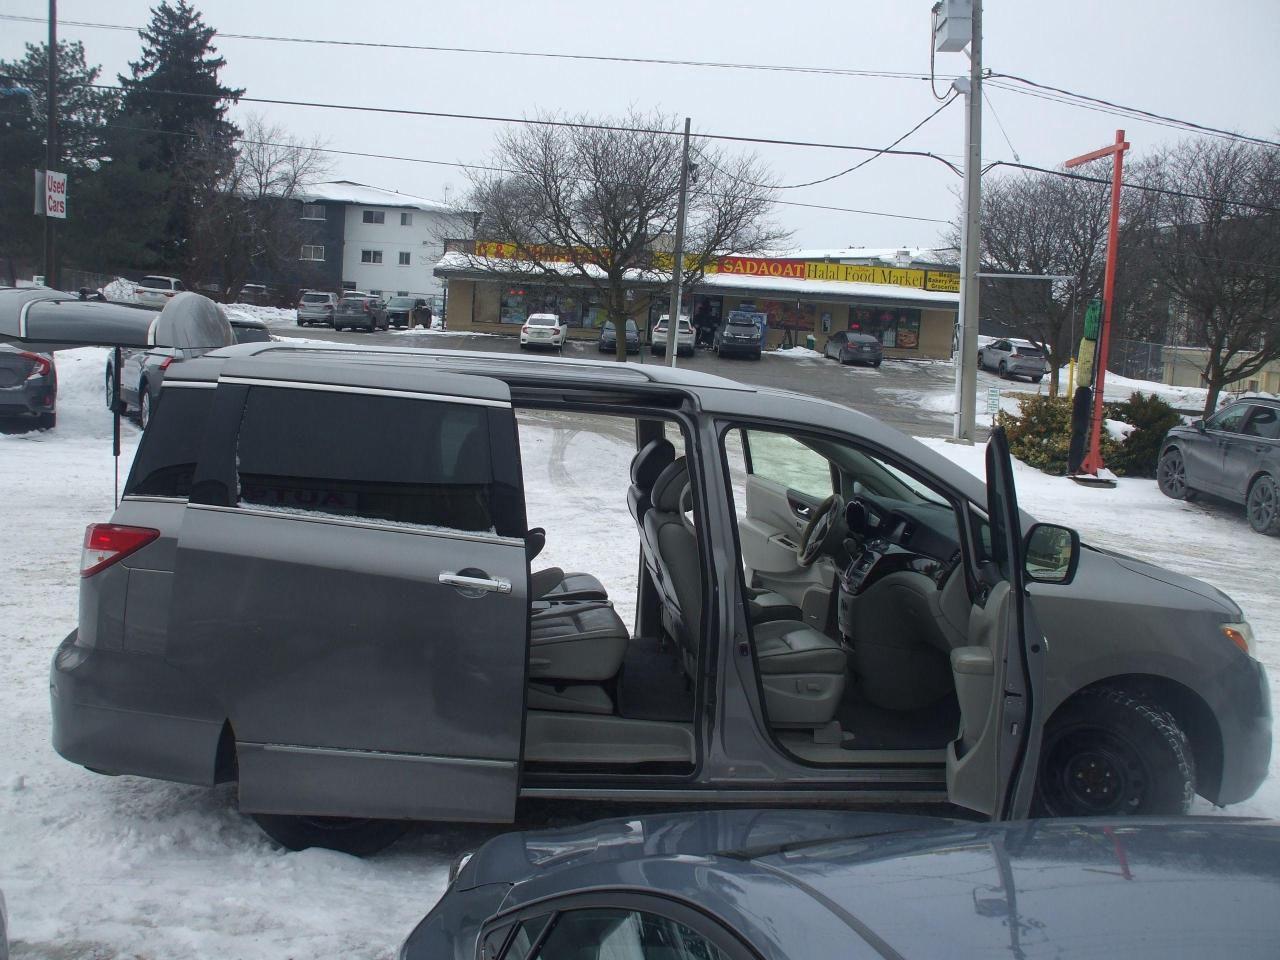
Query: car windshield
{"points": [[742, 324], [400, 302]]}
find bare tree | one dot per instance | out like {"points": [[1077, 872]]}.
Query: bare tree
{"points": [[591, 202], [246, 217], [1213, 240]]}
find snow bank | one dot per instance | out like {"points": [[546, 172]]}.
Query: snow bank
{"points": [[268, 315], [120, 290], [795, 353]]}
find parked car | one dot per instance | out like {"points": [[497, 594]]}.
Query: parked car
{"points": [[1014, 358], [157, 291], [361, 311], [255, 294], [608, 342], [316, 306], [797, 885], [543, 330], [684, 337], [408, 312], [739, 335], [28, 386], [327, 567], [142, 369], [850, 347], [1235, 454]]}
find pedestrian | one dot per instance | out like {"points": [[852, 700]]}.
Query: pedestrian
{"points": [[704, 324], [426, 314]]}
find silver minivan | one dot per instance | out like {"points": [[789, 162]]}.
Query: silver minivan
{"points": [[320, 583]]}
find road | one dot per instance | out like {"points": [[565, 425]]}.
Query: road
{"points": [[895, 393]]}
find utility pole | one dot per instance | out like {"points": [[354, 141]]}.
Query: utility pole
{"points": [[51, 148], [677, 259], [970, 239]]}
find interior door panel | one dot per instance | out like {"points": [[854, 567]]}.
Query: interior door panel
{"points": [[770, 535]]}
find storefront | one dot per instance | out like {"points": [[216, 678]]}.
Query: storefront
{"points": [[911, 312]]}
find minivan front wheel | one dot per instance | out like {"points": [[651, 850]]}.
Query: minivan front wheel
{"points": [[358, 836], [1107, 752]]}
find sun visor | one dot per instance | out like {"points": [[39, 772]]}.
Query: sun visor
{"points": [[52, 320], [193, 322]]}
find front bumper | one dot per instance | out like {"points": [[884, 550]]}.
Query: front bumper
{"points": [[746, 348], [1242, 707], [120, 712]]}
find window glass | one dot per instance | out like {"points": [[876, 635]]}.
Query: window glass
{"points": [[399, 460], [605, 934], [248, 334], [404, 258], [375, 216], [312, 251], [370, 256], [166, 458], [785, 460], [892, 327], [1264, 422], [406, 218], [313, 211], [1228, 420]]}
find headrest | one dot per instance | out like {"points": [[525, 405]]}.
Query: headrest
{"points": [[649, 461], [668, 486]]}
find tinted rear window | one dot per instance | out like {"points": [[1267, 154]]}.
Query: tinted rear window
{"points": [[315, 298], [251, 334], [1027, 350], [160, 283], [166, 458], [390, 459]]}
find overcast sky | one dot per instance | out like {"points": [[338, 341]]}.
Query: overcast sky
{"points": [[1212, 63]]}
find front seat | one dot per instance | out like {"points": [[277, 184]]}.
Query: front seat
{"points": [[802, 671]]}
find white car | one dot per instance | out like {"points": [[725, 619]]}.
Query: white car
{"points": [[543, 330], [157, 291], [684, 337]]}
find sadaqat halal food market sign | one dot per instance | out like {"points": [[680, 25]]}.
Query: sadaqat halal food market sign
{"points": [[944, 281]]}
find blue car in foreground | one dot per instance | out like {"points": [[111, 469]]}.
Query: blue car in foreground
{"points": [[810, 884]]}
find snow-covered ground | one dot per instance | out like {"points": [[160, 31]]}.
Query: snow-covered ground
{"points": [[123, 867]]}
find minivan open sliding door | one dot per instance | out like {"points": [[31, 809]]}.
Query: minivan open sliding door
{"points": [[991, 765], [351, 584]]}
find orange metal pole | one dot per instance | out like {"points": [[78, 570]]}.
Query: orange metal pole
{"points": [[1093, 458]]}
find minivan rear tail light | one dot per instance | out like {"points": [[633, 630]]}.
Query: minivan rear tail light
{"points": [[40, 365], [107, 543]]}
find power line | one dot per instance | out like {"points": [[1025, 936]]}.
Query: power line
{"points": [[1145, 188], [537, 122], [487, 51], [1061, 95], [1000, 124], [491, 169]]}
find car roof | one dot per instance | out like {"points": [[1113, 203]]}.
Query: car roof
{"points": [[850, 884]]}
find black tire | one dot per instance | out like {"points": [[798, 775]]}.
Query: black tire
{"points": [[46, 421], [1107, 752], [1004, 370], [1037, 379], [356, 836], [144, 405], [1171, 476], [1262, 506], [876, 364], [301, 322], [656, 352], [110, 392]]}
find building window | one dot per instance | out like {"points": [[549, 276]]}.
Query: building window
{"points": [[312, 251], [375, 293], [370, 256], [406, 218], [898, 328], [404, 258], [402, 293], [375, 216], [348, 284], [314, 211]]}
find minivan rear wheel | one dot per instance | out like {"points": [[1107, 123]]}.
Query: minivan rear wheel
{"points": [[358, 836], [1108, 752]]}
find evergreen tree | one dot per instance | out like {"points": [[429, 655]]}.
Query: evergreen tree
{"points": [[174, 93]]}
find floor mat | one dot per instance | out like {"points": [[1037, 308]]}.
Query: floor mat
{"points": [[875, 728], [652, 684]]}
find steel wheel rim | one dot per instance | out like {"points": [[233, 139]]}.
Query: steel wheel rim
{"points": [[1094, 771], [1173, 474], [1262, 504]]}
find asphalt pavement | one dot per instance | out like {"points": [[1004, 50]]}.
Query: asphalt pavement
{"points": [[896, 393]]}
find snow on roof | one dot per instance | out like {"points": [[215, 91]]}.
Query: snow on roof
{"points": [[883, 254], [455, 262], [360, 194]]}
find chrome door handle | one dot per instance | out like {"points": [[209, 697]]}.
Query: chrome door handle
{"points": [[495, 585]]}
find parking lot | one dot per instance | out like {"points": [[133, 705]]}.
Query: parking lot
{"points": [[908, 394]]}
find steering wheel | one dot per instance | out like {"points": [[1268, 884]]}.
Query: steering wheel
{"points": [[822, 528]]}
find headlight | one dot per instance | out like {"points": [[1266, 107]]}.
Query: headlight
{"points": [[1241, 634]]}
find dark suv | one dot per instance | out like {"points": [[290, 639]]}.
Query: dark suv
{"points": [[321, 583], [1235, 454]]}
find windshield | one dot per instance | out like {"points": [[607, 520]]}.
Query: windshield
{"points": [[400, 302]]}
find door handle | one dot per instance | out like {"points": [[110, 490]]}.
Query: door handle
{"points": [[484, 584], [802, 511]]}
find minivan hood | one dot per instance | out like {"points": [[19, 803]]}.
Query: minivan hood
{"points": [[1164, 575]]}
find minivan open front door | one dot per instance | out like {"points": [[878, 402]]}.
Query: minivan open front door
{"points": [[991, 765], [351, 585]]}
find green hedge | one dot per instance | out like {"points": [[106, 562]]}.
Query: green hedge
{"points": [[1040, 433]]}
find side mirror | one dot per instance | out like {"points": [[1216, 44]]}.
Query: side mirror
{"points": [[1051, 554], [1199, 425]]}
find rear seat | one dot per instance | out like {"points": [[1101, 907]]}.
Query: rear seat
{"points": [[573, 649]]}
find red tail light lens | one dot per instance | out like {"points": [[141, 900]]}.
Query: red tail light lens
{"points": [[107, 543], [40, 365], [164, 364], [524, 329]]}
